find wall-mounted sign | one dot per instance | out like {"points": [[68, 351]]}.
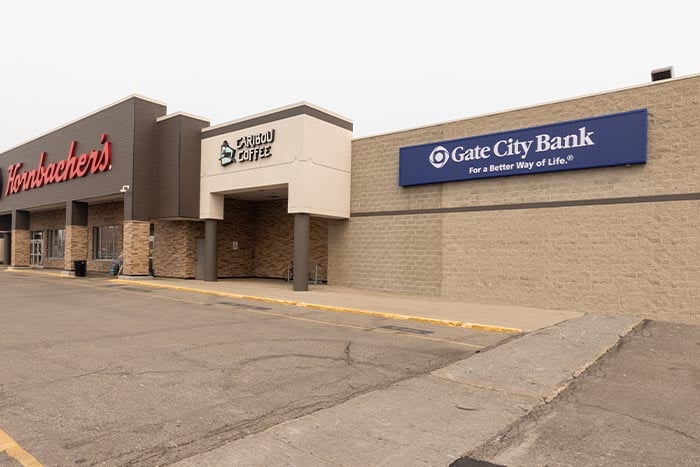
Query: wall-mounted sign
{"points": [[616, 139], [247, 148], [95, 161]]}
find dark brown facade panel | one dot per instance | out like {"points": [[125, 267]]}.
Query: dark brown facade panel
{"points": [[116, 121], [76, 213], [20, 220], [190, 165], [272, 117], [141, 202], [5, 222], [167, 168]]}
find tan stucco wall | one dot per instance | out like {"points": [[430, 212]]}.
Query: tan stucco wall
{"points": [[309, 156], [639, 259]]}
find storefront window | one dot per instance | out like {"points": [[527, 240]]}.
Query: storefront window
{"points": [[56, 241], [106, 242]]}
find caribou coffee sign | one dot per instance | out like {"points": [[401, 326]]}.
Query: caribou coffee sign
{"points": [[247, 148], [92, 162]]}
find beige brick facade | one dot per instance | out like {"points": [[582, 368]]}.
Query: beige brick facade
{"points": [[638, 258], [136, 249], [76, 246], [20, 248], [174, 248]]}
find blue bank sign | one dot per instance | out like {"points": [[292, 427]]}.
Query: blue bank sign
{"points": [[617, 139]]}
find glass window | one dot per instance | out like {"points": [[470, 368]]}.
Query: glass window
{"points": [[56, 243], [107, 242]]}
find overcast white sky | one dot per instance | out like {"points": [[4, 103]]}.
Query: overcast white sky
{"points": [[387, 65]]}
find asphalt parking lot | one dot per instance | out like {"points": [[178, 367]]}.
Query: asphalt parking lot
{"points": [[95, 372]]}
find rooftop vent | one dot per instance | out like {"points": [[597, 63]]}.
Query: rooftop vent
{"points": [[662, 73]]}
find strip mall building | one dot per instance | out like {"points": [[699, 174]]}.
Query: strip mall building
{"points": [[589, 204]]}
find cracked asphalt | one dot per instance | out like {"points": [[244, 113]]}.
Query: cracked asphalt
{"points": [[639, 405], [98, 373]]}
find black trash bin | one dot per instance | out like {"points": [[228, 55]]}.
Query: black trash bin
{"points": [[80, 267]]}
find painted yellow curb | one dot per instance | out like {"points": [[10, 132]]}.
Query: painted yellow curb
{"points": [[339, 309], [14, 450], [38, 271]]}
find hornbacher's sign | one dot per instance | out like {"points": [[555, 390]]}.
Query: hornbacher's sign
{"points": [[94, 161], [608, 140]]}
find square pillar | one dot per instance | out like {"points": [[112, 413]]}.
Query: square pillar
{"points": [[76, 247], [20, 239], [76, 241], [20, 248], [211, 252], [7, 248], [301, 252], [135, 248]]}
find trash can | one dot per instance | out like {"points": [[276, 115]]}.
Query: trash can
{"points": [[80, 267]]}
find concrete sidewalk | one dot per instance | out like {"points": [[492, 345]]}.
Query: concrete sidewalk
{"points": [[499, 318], [434, 419], [333, 298]]}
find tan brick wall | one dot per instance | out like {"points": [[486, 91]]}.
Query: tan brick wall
{"points": [[672, 167], [101, 215], [398, 254], [635, 259], [136, 248], [76, 246], [174, 248], [20, 248], [638, 259]]}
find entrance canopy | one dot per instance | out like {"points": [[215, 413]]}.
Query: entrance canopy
{"points": [[300, 152]]}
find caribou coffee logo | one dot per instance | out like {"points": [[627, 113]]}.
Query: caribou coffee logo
{"points": [[247, 148]]}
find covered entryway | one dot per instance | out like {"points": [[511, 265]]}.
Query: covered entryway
{"points": [[269, 184], [256, 238]]}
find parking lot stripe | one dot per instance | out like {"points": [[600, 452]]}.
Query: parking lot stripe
{"points": [[14, 450]]}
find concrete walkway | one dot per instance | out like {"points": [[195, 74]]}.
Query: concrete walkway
{"points": [[333, 298]]}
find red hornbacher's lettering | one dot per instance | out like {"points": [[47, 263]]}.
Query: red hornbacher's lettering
{"points": [[71, 167]]}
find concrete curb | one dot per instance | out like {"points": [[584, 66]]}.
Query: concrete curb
{"points": [[337, 309]]}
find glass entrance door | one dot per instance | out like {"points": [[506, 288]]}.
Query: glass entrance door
{"points": [[36, 249]]}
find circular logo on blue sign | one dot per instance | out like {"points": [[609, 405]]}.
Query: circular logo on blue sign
{"points": [[439, 157]]}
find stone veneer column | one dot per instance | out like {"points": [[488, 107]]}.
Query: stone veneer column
{"points": [[20, 248], [20, 238], [76, 246], [135, 248]]}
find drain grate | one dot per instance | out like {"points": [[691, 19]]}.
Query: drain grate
{"points": [[469, 462], [408, 330], [135, 289], [245, 306]]}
